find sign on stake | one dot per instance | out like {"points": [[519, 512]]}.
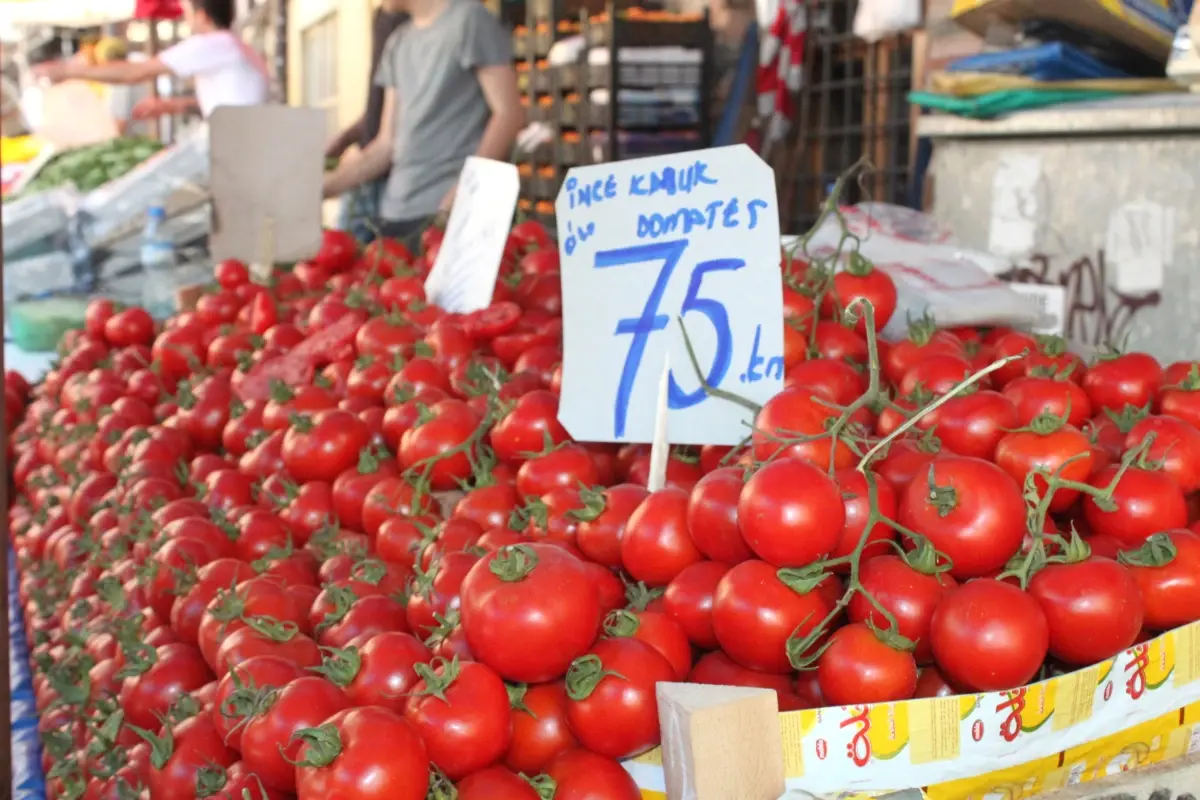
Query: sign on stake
{"points": [[468, 261], [647, 247]]}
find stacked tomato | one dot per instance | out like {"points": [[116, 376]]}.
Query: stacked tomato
{"points": [[322, 539]]}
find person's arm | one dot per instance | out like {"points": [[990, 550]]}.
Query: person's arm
{"points": [[376, 158], [341, 143], [151, 107], [120, 72], [499, 85]]}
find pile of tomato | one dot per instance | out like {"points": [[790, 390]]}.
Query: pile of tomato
{"points": [[319, 538]]}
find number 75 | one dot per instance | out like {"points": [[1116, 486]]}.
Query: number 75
{"points": [[640, 328]]}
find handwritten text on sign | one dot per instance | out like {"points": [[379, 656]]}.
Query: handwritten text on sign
{"points": [[645, 243], [464, 274]]}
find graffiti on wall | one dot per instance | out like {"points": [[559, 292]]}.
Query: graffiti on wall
{"points": [[1096, 313]]}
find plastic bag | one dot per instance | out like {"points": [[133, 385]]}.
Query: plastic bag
{"points": [[879, 18], [122, 203], [933, 276]]}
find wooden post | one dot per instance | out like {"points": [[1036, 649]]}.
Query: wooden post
{"points": [[152, 51], [720, 742]]}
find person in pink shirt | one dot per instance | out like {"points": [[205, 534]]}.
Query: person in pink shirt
{"points": [[224, 70]]}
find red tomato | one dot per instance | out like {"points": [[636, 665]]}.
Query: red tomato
{"points": [[712, 516], [176, 759], [603, 519], [856, 499], [1131, 379], [859, 667], [798, 414], [759, 612], [234, 700], [909, 594], [611, 705], [1060, 450], [657, 630], [323, 447], [1176, 445], [496, 782], [528, 611], [1143, 502], [439, 447], [495, 320], [159, 676], [461, 711], [269, 746], [791, 513], [338, 251], [369, 753], [973, 424], [1034, 396], [1093, 608], [539, 727], [1167, 572], [656, 545], [861, 281], [989, 636], [688, 600], [129, 327], [970, 510], [583, 775]]}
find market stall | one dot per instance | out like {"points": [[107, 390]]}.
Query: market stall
{"points": [[429, 499], [641, 495]]}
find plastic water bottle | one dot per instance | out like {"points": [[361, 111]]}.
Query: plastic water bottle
{"points": [[158, 262]]}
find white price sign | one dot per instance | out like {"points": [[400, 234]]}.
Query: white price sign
{"points": [[646, 245], [464, 273]]}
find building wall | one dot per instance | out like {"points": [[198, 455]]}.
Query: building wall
{"points": [[347, 65]]}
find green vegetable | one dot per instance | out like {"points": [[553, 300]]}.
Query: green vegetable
{"points": [[88, 168]]}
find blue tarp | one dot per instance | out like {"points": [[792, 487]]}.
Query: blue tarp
{"points": [[28, 782]]}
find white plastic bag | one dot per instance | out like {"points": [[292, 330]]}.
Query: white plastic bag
{"points": [[879, 18], [933, 275], [122, 202]]}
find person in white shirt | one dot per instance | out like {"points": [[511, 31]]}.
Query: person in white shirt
{"points": [[224, 70]]}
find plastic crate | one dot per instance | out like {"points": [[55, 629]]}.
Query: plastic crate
{"points": [[38, 325]]}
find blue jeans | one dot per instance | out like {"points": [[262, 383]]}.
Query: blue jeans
{"points": [[360, 211]]}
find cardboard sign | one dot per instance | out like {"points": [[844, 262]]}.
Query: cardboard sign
{"points": [[464, 273], [649, 246], [267, 169]]}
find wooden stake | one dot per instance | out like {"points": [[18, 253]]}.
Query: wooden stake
{"points": [[261, 271]]}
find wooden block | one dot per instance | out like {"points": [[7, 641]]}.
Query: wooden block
{"points": [[720, 742]]}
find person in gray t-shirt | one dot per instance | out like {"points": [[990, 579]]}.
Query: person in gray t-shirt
{"points": [[450, 92]]}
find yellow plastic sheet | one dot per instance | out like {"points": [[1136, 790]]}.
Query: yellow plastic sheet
{"points": [[19, 149], [972, 84]]}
